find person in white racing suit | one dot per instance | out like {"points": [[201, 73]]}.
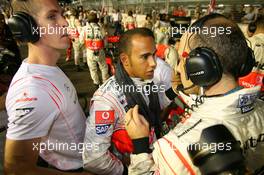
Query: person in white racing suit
{"points": [[162, 29], [224, 102], [105, 125], [74, 33], [130, 22], [93, 37], [256, 42]]}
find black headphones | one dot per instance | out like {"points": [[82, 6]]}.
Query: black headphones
{"points": [[23, 27], [203, 66]]}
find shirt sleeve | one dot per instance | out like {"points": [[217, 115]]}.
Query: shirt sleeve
{"points": [[142, 164], [31, 113], [99, 130], [169, 156]]}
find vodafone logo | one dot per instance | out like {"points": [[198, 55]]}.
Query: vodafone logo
{"points": [[105, 115]]}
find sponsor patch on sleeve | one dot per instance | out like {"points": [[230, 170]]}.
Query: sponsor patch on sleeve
{"points": [[104, 117], [21, 112], [102, 129], [103, 121], [246, 102]]}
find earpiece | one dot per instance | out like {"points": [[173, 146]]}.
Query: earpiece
{"points": [[203, 67], [23, 27]]}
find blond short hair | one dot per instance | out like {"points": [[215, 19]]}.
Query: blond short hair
{"points": [[27, 6]]}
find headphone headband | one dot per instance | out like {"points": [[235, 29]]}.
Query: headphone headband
{"points": [[203, 66], [200, 22]]}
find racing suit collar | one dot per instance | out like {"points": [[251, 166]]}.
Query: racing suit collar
{"points": [[139, 81], [224, 106]]}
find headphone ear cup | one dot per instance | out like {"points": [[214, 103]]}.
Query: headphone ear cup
{"points": [[250, 62], [203, 67], [23, 27]]}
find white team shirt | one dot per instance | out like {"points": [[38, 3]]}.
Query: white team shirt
{"points": [[240, 112], [162, 78], [42, 102], [117, 17]]}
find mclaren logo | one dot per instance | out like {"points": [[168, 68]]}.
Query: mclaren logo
{"points": [[197, 73]]}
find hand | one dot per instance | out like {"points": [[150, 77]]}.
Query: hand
{"points": [[136, 125]]}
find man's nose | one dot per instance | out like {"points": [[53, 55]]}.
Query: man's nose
{"points": [[63, 22], [152, 61]]}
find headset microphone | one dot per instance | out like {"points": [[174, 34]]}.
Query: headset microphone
{"points": [[172, 95], [181, 87]]}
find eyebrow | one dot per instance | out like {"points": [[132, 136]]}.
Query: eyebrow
{"points": [[55, 11], [148, 54]]}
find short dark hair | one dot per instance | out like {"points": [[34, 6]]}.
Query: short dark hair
{"points": [[231, 48], [130, 13], [148, 16], [124, 45], [92, 18]]}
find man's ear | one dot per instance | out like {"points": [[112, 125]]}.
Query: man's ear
{"points": [[124, 59]]}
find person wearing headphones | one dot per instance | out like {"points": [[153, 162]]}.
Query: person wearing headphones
{"points": [[45, 119], [214, 64]]}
